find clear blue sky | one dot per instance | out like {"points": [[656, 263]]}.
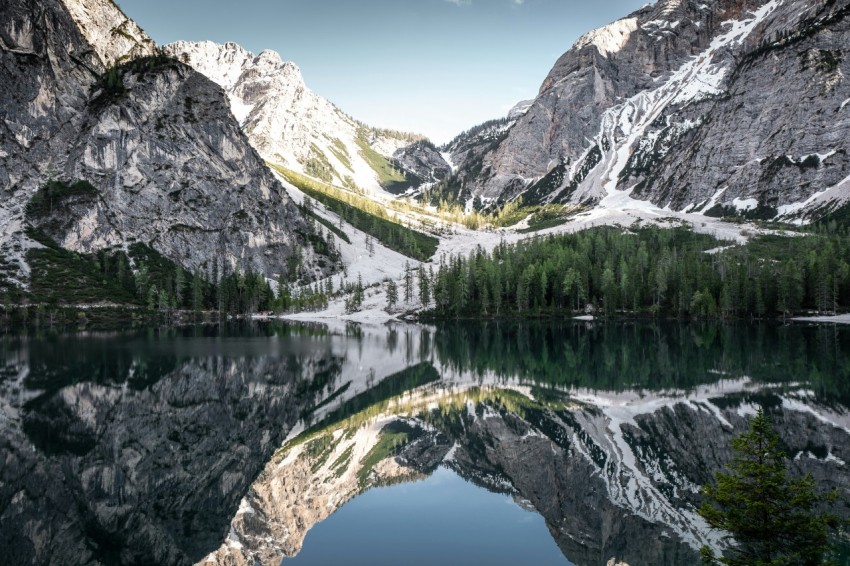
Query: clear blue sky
{"points": [[431, 66]]}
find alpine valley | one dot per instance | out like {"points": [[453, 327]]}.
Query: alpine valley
{"points": [[231, 311], [196, 157]]}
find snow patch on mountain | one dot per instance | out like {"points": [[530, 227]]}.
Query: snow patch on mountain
{"points": [[626, 124], [831, 197]]}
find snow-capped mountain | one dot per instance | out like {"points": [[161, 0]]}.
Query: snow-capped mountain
{"points": [[292, 126], [697, 105]]}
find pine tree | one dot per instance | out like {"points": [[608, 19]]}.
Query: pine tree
{"points": [[197, 293], [424, 287], [392, 293], [355, 301], [408, 283], [772, 519], [179, 286]]}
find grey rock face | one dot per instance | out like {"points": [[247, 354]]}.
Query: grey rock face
{"points": [[172, 168], [424, 161], [468, 152], [684, 99], [46, 71], [175, 171], [112, 35], [778, 135]]}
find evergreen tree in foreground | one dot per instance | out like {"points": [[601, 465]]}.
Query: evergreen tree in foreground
{"points": [[771, 519]]}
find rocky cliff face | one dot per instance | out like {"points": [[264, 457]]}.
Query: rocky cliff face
{"points": [[691, 104], [291, 125], [423, 161], [111, 34], [155, 139], [47, 69]]}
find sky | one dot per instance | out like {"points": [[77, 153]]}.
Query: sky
{"points": [[435, 67]]}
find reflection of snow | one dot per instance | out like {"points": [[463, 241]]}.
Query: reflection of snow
{"points": [[837, 319]]}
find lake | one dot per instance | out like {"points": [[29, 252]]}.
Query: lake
{"points": [[458, 443]]}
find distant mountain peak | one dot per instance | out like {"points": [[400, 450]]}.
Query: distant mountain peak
{"points": [[292, 126]]}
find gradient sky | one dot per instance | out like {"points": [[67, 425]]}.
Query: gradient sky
{"points": [[435, 67]]}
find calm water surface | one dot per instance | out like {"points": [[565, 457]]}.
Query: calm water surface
{"points": [[486, 443], [418, 523]]}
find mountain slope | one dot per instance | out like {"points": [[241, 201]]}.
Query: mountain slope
{"points": [[693, 104], [167, 164], [292, 126]]}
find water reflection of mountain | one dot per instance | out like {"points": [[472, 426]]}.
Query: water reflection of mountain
{"points": [[138, 448], [162, 447], [614, 473]]}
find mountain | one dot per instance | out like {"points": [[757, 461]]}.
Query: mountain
{"points": [[292, 126], [693, 105], [120, 145]]}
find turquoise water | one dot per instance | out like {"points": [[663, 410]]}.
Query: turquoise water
{"points": [[443, 519]]}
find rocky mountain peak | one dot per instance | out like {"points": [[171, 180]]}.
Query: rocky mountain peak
{"points": [[636, 107], [89, 98], [270, 57], [608, 39], [221, 63], [292, 126], [112, 35]]}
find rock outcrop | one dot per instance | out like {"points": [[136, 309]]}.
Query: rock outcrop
{"points": [[422, 160], [87, 97], [689, 104]]}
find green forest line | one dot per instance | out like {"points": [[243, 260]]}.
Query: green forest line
{"points": [[648, 271]]}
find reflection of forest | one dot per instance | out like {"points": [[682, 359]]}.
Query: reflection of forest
{"points": [[620, 356]]}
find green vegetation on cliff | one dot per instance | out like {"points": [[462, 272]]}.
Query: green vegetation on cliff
{"points": [[365, 215]]}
